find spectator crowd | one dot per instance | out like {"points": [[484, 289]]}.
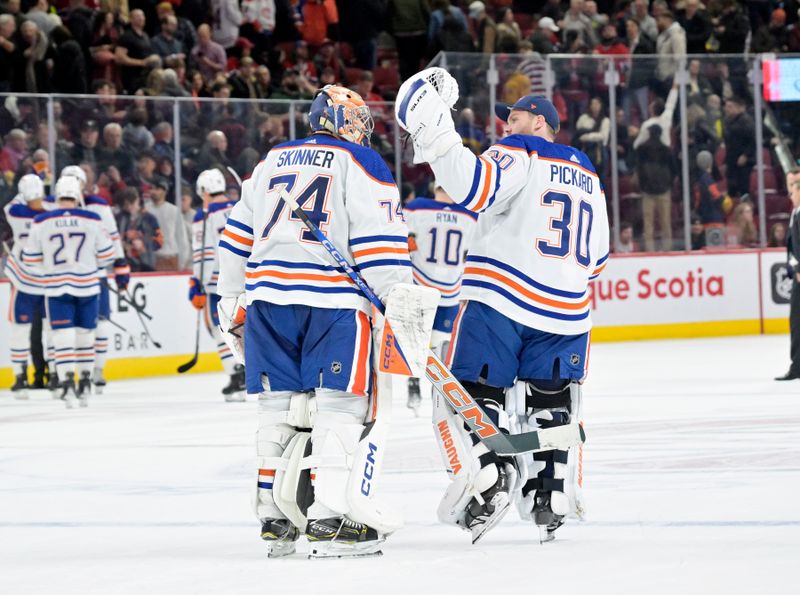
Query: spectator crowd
{"points": [[144, 67]]}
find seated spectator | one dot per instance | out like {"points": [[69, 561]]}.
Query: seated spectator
{"points": [[626, 244], [113, 154], [162, 137], [139, 231], [165, 43], [144, 177], [135, 135], [742, 230], [264, 82], [777, 235], [772, 37], [14, 151], [597, 20], [709, 199], [508, 32], [364, 87], [109, 182], [326, 56], [171, 84], [134, 53], [301, 62], [208, 57], [656, 169], [294, 86], [86, 149], [165, 171], [577, 22], [212, 155], [327, 77], [243, 80], [174, 248]]}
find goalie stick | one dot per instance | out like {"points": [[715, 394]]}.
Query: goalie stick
{"points": [[445, 383]]}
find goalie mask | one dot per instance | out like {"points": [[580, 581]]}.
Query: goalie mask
{"points": [[342, 112]]}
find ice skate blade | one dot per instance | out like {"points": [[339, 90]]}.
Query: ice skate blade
{"points": [[333, 549], [281, 549], [500, 511], [21, 395], [235, 398], [98, 389], [69, 402], [83, 402], [545, 535]]}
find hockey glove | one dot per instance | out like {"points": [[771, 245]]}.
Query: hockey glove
{"points": [[424, 113], [122, 273], [197, 293], [231, 312]]}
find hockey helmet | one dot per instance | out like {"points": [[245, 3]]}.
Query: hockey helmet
{"points": [[75, 172], [211, 181], [69, 187], [31, 187], [342, 112]]}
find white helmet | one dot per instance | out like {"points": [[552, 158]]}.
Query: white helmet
{"points": [[75, 172], [69, 187], [31, 187], [211, 181]]}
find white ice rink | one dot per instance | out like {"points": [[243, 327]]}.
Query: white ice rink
{"points": [[692, 478]]}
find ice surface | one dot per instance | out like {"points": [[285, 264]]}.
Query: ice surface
{"points": [[692, 475]]}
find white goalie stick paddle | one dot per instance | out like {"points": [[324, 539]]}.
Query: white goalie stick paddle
{"points": [[445, 383]]}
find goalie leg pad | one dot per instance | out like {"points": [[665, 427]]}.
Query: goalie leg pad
{"points": [[345, 461], [557, 472]]}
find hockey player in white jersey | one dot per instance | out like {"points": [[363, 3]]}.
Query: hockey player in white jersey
{"points": [[439, 234], [207, 227], [520, 343], [67, 246], [121, 270], [307, 343], [26, 289]]}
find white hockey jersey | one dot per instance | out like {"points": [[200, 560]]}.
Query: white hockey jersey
{"points": [[205, 249], [24, 278], [100, 206], [67, 247], [344, 188], [542, 233], [441, 234]]}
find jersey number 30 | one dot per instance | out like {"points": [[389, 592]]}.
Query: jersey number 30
{"points": [[564, 224]]}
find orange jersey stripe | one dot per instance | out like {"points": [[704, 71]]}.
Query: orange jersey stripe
{"points": [[360, 381], [266, 472], [487, 178], [299, 276], [600, 268], [526, 292], [370, 251], [238, 238]]}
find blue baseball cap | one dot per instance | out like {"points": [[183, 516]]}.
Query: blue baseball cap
{"points": [[535, 104]]}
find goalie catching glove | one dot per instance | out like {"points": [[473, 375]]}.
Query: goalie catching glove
{"points": [[231, 312], [423, 110]]}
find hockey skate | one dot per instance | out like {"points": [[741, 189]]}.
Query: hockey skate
{"points": [[20, 388], [235, 390], [68, 394], [488, 509], [280, 535], [99, 381], [339, 537], [84, 389], [544, 517], [414, 396], [53, 385]]}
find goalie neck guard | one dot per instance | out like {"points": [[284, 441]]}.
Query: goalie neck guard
{"points": [[341, 112]]}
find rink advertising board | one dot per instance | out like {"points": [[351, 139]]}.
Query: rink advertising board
{"points": [[642, 296]]}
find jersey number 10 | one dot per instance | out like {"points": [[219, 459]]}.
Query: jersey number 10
{"points": [[452, 246], [564, 224]]}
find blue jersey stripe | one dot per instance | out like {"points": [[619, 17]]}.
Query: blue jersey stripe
{"points": [[241, 226], [476, 178], [264, 485], [432, 280], [369, 239], [293, 265], [525, 278], [309, 288], [237, 251], [385, 262], [525, 305], [601, 260]]}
